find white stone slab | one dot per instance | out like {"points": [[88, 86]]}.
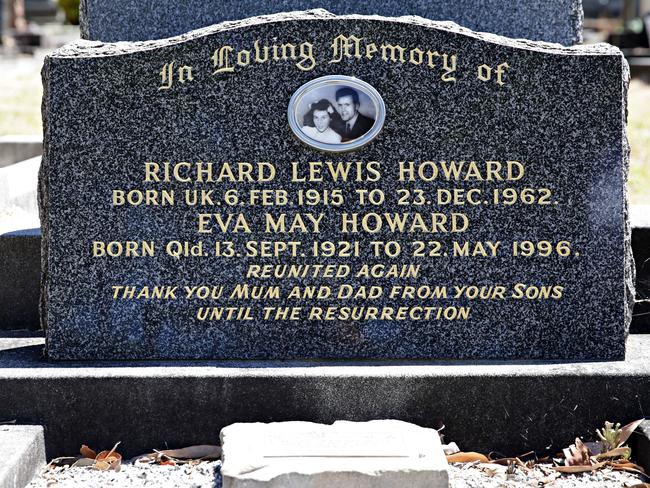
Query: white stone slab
{"points": [[375, 454], [18, 201], [22, 454]]}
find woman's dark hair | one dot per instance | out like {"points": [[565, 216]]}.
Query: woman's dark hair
{"points": [[322, 104]]}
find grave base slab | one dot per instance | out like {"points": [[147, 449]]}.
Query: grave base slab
{"points": [[22, 454], [375, 454], [510, 407]]}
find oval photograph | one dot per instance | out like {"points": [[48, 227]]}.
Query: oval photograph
{"points": [[336, 113]]}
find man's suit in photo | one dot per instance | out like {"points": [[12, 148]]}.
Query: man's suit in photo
{"points": [[362, 125]]}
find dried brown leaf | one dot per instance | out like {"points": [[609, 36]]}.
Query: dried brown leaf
{"points": [[202, 452], [631, 467], [626, 431], [107, 454], [87, 452], [578, 469], [615, 453], [577, 454], [106, 460], [194, 452], [102, 465], [467, 457], [63, 461], [82, 462]]}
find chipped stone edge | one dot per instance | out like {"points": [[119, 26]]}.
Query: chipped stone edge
{"points": [[42, 194], [629, 271], [84, 24], [576, 20], [89, 49]]}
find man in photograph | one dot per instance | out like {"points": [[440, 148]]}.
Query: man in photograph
{"points": [[354, 123]]}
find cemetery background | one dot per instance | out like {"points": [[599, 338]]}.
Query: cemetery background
{"points": [[20, 98]]}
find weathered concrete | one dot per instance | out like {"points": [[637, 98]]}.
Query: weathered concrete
{"points": [[20, 275], [510, 407], [20, 253], [22, 454], [375, 454], [640, 218], [18, 148], [18, 201]]}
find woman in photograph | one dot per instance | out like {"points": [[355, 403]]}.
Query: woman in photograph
{"points": [[318, 122]]}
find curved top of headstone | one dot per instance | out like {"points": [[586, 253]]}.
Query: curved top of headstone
{"points": [[87, 48], [126, 20]]}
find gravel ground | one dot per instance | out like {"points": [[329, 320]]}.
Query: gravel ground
{"points": [[494, 476], [202, 475], [206, 475]]}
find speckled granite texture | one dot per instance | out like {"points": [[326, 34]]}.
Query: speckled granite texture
{"points": [[561, 113], [129, 20]]}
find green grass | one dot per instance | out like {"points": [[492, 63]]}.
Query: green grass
{"points": [[20, 113]]}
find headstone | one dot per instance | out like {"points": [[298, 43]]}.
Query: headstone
{"points": [[375, 454], [127, 20], [20, 245], [195, 205]]}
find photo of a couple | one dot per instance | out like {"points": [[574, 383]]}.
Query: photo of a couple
{"points": [[336, 113], [334, 124]]}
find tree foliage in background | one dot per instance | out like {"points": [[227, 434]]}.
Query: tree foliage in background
{"points": [[71, 9]]}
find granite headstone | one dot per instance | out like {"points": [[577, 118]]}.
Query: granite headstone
{"points": [[183, 216], [130, 20]]}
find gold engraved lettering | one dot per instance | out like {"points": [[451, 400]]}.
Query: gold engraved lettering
{"points": [[129, 249], [303, 55], [485, 73], [396, 53], [448, 64], [185, 74], [258, 58], [347, 47], [167, 75], [282, 313], [243, 58], [307, 60], [235, 223], [298, 224], [416, 56], [460, 171], [221, 60], [372, 223]]}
